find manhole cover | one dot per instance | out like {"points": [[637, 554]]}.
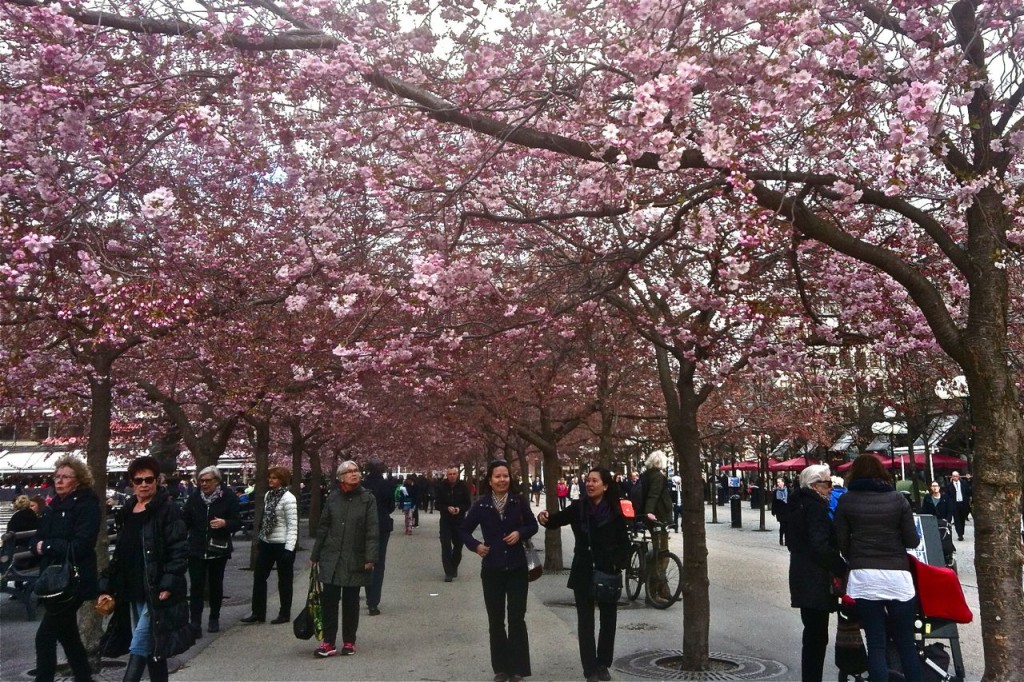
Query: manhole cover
{"points": [[659, 665]]}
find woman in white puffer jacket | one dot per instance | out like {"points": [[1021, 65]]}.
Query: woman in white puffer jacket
{"points": [[278, 534]]}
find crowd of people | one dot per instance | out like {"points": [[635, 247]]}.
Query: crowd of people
{"points": [[169, 560]]}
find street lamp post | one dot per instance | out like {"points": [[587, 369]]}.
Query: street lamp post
{"points": [[891, 428]]}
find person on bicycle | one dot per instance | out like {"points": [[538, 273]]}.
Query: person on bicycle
{"points": [[657, 508], [602, 543]]}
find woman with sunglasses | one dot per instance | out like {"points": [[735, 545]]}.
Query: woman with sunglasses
{"points": [[506, 522], [211, 516], [813, 564], [70, 522], [146, 576], [876, 527]]}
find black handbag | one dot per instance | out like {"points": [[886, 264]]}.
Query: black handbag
{"points": [[58, 583], [303, 625], [217, 548], [310, 620], [606, 588]]}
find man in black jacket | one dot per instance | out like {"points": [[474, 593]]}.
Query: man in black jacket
{"points": [[452, 501], [383, 493], [959, 492]]}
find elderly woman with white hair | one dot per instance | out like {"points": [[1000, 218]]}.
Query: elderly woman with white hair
{"points": [[345, 552], [656, 509], [813, 563], [211, 516]]}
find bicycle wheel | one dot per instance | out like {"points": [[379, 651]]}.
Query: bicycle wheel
{"points": [[634, 573], [665, 581]]}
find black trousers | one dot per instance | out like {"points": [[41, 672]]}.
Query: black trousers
{"points": [[963, 510], [61, 626], [349, 597], [599, 655], [510, 651], [815, 642], [205, 574], [451, 546], [375, 589], [267, 555]]}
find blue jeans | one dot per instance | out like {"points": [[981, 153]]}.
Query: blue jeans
{"points": [[142, 643], [895, 619]]}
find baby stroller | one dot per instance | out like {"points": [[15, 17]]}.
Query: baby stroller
{"points": [[851, 656]]}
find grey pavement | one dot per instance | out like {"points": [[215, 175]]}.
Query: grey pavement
{"points": [[432, 630]]}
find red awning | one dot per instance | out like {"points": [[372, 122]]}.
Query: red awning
{"points": [[939, 461], [742, 466], [795, 464]]}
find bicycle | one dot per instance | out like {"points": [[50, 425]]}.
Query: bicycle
{"points": [[663, 588]]}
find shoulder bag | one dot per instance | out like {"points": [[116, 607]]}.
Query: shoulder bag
{"points": [[58, 583], [310, 620], [605, 588], [534, 567]]}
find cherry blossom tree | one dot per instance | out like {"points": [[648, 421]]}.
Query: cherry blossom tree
{"points": [[890, 135]]}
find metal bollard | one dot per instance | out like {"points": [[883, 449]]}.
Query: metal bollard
{"points": [[737, 519]]}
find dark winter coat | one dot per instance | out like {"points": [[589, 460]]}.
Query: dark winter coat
{"points": [[452, 496], [518, 517], [72, 520], [813, 551], [347, 538], [875, 526], [941, 508], [165, 547], [778, 505], [657, 499], [197, 520], [609, 551], [383, 492]]}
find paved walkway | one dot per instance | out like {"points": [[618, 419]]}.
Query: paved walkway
{"points": [[432, 630]]}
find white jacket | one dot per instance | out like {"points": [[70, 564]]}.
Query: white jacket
{"points": [[286, 529]]}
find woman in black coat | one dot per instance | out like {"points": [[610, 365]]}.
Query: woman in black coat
{"points": [[70, 522], [814, 562], [875, 527], [506, 522], [147, 578], [602, 542], [938, 504], [211, 516]]}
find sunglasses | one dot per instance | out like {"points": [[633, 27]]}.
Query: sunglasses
{"points": [[148, 480]]}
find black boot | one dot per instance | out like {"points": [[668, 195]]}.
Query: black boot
{"points": [[158, 670], [136, 665]]}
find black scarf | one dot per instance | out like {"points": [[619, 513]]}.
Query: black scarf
{"points": [[270, 511]]}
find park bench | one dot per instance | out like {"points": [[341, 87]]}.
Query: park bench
{"points": [[18, 582]]}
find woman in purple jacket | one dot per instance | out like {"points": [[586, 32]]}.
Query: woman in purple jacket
{"points": [[506, 522]]}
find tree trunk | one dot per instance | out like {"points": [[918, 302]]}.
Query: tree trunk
{"points": [[316, 486], [997, 508], [101, 398], [552, 536], [682, 403], [261, 453]]}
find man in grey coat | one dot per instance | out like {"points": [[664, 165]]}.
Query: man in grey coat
{"points": [[345, 552]]}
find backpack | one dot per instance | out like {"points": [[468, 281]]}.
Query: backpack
{"points": [[637, 495]]}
